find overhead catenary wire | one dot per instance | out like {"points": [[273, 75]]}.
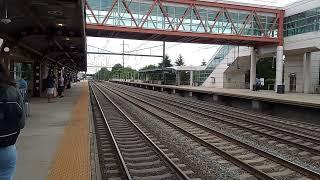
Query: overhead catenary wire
{"points": [[143, 49]]}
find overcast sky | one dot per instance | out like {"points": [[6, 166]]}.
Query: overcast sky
{"points": [[193, 54]]}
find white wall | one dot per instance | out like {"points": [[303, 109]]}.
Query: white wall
{"points": [[294, 64], [306, 42], [315, 66], [234, 80], [218, 72], [234, 76]]}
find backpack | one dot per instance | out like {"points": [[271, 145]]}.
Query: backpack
{"points": [[10, 115]]}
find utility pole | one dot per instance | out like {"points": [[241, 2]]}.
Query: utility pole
{"points": [[107, 78], [163, 57], [94, 59], [164, 49], [123, 57], [100, 71]]}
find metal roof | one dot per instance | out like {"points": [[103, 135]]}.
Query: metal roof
{"points": [[52, 29]]}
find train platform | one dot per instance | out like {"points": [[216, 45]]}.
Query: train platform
{"points": [[55, 145], [300, 99], [298, 106]]}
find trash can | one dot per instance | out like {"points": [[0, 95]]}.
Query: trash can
{"points": [[280, 89]]}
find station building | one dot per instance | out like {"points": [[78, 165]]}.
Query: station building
{"points": [[231, 66]]}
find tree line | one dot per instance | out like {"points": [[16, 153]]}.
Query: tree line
{"points": [[119, 72]]}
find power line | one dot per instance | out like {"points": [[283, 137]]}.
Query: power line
{"points": [[100, 48], [125, 54], [140, 45], [143, 48]]}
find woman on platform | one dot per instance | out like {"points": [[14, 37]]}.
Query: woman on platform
{"points": [[50, 86], [12, 120]]}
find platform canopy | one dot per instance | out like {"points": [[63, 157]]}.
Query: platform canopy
{"points": [[54, 30]]}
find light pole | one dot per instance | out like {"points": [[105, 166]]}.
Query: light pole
{"points": [[163, 58]]}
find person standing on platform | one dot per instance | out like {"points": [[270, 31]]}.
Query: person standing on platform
{"points": [[258, 84], [60, 86], [23, 87], [12, 120], [50, 86]]}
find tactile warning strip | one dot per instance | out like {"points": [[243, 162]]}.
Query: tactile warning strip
{"points": [[72, 161]]}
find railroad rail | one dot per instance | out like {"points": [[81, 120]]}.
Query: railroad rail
{"points": [[225, 146], [296, 140], [126, 151], [291, 125], [308, 141], [306, 149]]}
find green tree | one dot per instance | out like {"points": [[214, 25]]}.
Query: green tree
{"points": [[179, 60], [266, 69], [123, 73], [116, 67], [166, 62], [103, 74], [151, 66]]}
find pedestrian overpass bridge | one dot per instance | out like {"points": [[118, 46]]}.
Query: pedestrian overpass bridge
{"points": [[188, 21]]}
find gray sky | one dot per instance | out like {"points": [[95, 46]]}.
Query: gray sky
{"points": [[193, 54]]}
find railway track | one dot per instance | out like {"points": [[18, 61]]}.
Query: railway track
{"points": [[305, 144], [255, 161], [306, 129], [127, 151]]}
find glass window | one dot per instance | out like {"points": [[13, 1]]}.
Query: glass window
{"points": [[304, 22], [19, 70]]}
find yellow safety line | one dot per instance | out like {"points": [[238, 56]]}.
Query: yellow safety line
{"points": [[71, 161]]}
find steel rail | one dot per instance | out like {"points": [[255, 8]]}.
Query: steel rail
{"points": [[266, 117], [176, 104], [177, 169], [290, 165], [123, 164], [227, 156], [210, 110], [252, 120]]}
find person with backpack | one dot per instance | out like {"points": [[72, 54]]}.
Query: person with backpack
{"points": [[12, 120]]}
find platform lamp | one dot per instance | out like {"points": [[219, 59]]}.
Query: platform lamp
{"points": [[6, 53], [6, 49]]}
